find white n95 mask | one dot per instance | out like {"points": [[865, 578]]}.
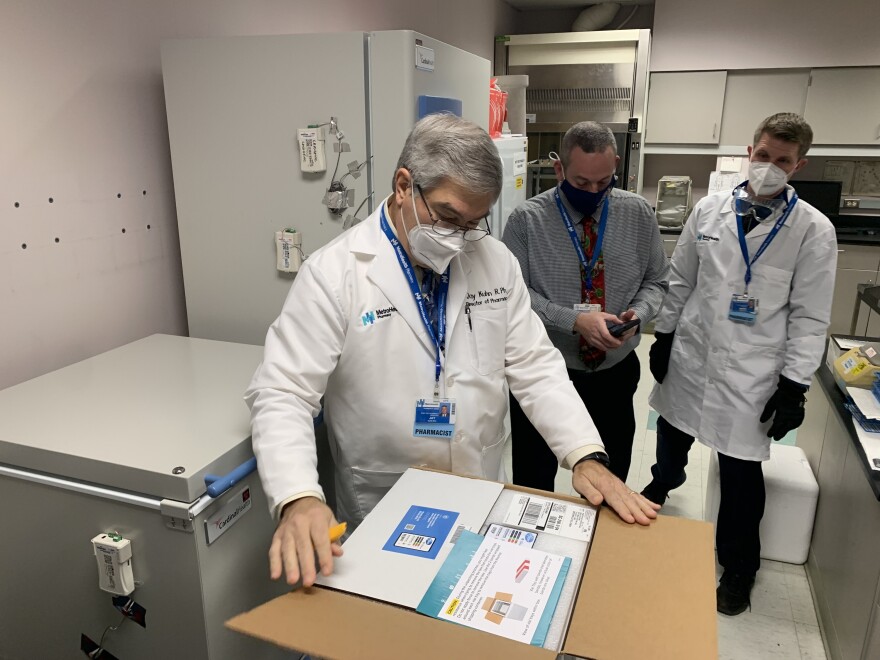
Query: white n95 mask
{"points": [[430, 248], [766, 178]]}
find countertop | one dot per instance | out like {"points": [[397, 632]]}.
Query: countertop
{"points": [[835, 402]]}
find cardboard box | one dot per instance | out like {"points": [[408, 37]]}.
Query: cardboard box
{"points": [[837, 346], [646, 592]]}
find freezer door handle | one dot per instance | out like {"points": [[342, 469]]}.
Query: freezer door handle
{"points": [[216, 485], [80, 487]]}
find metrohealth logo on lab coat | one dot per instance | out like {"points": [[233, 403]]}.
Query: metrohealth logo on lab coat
{"points": [[369, 318]]}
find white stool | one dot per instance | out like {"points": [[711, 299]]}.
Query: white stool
{"points": [[792, 493]]}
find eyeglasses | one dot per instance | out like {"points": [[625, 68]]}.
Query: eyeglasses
{"points": [[448, 228]]}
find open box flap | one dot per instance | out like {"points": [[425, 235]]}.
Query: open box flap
{"points": [[338, 626], [647, 592]]}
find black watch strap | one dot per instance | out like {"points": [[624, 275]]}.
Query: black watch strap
{"points": [[599, 456]]}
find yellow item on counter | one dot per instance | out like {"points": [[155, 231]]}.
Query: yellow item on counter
{"points": [[856, 367]]}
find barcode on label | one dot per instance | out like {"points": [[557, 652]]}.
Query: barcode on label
{"points": [[457, 533], [532, 514], [553, 522]]}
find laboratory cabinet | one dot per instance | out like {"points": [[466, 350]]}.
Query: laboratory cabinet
{"points": [[811, 433], [719, 107], [705, 108], [843, 565], [856, 264], [843, 106], [752, 96], [685, 107], [669, 243]]}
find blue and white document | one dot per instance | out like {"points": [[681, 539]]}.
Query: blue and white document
{"points": [[421, 532], [396, 551], [498, 587]]}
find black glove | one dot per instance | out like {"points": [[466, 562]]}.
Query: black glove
{"points": [[786, 406], [661, 349]]}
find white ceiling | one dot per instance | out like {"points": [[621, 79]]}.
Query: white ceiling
{"points": [[566, 4]]}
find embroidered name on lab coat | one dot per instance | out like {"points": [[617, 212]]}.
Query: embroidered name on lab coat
{"points": [[487, 296]]}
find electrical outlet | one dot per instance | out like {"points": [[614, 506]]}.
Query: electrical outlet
{"points": [[850, 203]]}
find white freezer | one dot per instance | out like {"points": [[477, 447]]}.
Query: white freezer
{"points": [[514, 155], [122, 442], [234, 105]]}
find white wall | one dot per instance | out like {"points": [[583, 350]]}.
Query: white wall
{"points": [[764, 34], [83, 121]]}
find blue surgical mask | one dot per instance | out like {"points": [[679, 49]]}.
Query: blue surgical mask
{"points": [[584, 201]]}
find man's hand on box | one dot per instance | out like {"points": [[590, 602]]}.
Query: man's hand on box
{"points": [[597, 484], [303, 531]]}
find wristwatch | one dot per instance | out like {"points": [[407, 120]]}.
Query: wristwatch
{"points": [[599, 456]]}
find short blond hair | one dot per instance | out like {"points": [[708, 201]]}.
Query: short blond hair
{"points": [[789, 127]]}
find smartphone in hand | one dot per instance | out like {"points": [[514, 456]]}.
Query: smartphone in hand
{"points": [[617, 329]]}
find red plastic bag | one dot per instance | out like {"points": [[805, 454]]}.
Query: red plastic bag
{"points": [[497, 108]]}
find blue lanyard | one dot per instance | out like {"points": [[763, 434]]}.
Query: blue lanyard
{"points": [[588, 267], [742, 237], [409, 272]]}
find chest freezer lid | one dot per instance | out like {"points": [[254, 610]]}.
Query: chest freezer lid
{"points": [[127, 418]]}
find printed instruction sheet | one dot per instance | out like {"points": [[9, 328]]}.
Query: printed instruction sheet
{"points": [[497, 587]]}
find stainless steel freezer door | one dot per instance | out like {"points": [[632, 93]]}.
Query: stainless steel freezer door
{"points": [[49, 578]]}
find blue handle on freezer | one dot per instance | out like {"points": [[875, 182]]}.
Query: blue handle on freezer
{"points": [[218, 485]]}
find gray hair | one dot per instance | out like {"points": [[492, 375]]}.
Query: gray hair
{"points": [[788, 127], [591, 136], [444, 147]]}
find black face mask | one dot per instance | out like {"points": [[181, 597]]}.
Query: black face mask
{"points": [[584, 201]]}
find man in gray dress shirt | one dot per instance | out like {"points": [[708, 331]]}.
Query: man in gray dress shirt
{"points": [[590, 254]]}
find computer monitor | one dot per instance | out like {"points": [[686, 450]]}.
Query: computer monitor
{"points": [[824, 195]]}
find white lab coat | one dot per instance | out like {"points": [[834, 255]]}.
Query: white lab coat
{"points": [[350, 331], [722, 373]]}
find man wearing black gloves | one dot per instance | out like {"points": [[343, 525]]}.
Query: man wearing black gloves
{"points": [[739, 337]]}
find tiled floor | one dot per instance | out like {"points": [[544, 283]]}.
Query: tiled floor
{"points": [[782, 623]]}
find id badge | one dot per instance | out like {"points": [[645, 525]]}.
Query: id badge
{"points": [[588, 307], [435, 418], [743, 309]]}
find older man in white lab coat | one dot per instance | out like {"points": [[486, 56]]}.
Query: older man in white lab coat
{"points": [[411, 328], [739, 337]]}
